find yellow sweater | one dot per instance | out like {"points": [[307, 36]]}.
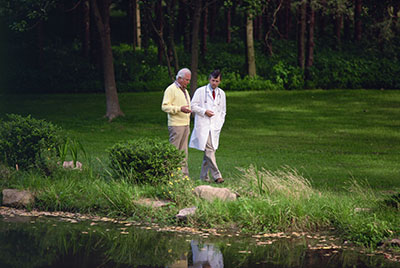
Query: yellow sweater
{"points": [[173, 99]]}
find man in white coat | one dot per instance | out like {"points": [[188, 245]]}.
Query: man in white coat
{"points": [[209, 106]]}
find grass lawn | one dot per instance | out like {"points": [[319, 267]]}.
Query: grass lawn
{"points": [[329, 136]]}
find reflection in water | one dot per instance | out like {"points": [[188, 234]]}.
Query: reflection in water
{"points": [[48, 242], [206, 255]]}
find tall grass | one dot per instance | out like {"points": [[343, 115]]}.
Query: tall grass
{"points": [[286, 182], [284, 200]]}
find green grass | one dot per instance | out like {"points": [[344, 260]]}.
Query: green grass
{"points": [[330, 137], [300, 160]]}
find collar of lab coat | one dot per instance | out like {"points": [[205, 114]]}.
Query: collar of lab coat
{"points": [[209, 91]]}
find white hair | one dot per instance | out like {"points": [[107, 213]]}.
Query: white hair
{"points": [[182, 72]]}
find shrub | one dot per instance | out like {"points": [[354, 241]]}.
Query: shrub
{"points": [[145, 160], [28, 142], [5, 172], [233, 81]]}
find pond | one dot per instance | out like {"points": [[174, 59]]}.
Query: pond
{"points": [[48, 241]]}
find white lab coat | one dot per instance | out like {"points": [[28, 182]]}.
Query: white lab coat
{"points": [[206, 254], [202, 100]]}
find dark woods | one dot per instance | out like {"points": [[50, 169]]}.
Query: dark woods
{"points": [[138, 45]]}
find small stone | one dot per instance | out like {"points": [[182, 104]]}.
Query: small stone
{"points": [[184, 213]]}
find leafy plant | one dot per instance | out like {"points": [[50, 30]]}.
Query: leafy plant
{"points": [[26, 142], [62, 150], [74, 148], [145, 160]]}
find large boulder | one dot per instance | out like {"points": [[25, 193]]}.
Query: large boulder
{"points": [[17, 198], [210, 193]]}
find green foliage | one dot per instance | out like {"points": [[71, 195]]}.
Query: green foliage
{"points": [[5, 172], [178, 189], [28, 142], [145, 160], [393, 201], [367, 230], [65, 70], [346, 70], [233, 81], [287, 76], [138, 71], [24, 14]]}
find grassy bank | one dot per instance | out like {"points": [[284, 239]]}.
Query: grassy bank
{"points": [[341, 146]]}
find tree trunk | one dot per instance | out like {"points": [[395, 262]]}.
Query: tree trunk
{"points": [[172, 54], [321, 18], [213, 19], [357, 20], [257, 28], [228, 25], [272, 26], [338, 28], [183, 29], [138, 27], [346, 28], [86, 28], [195, 46], [288, 18], [301, 31], [159, 34], [395, 18], [39, 44], [159, 30], [134, 18], [205, 32], [102, 19], [251, 60], [95, 46], [310, 38]]}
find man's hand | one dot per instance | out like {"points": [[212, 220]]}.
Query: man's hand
{"points": [[185, 109], [209, 113]]}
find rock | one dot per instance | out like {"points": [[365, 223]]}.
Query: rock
{"points": [[184, 213], [70, 164], [210, 193], [391, 243], [151, 202], [17, 198]]}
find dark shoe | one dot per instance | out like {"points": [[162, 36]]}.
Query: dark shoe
{"points": [[219, 180], [206, 180]]}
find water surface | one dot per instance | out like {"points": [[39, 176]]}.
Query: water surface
{"points": [[63, 242]]}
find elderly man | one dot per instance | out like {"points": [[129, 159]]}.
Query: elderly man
{"points": [[176, 103], [209, 106]]}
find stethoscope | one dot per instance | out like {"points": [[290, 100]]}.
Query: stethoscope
{"points": [[216, 97]]}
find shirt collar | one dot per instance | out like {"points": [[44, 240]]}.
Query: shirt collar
{"points": [[211, 89], [178, 85]]}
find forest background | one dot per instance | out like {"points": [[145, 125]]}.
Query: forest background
{"points": [[76, 46]]}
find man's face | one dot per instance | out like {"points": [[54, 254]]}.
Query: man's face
{"points": [[214, 82], [185, 80]]}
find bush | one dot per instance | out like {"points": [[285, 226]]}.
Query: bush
{"points": [[145, 160], [233, 81], [5, 173], [28, 142]]}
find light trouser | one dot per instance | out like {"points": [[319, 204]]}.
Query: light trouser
{"points": [[178, 136], [209, 162]]}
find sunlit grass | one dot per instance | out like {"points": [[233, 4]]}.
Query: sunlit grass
{"points": [[329, 136], [300, 160]]}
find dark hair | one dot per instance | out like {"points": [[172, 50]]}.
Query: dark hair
{"points": [[215, 74]]}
